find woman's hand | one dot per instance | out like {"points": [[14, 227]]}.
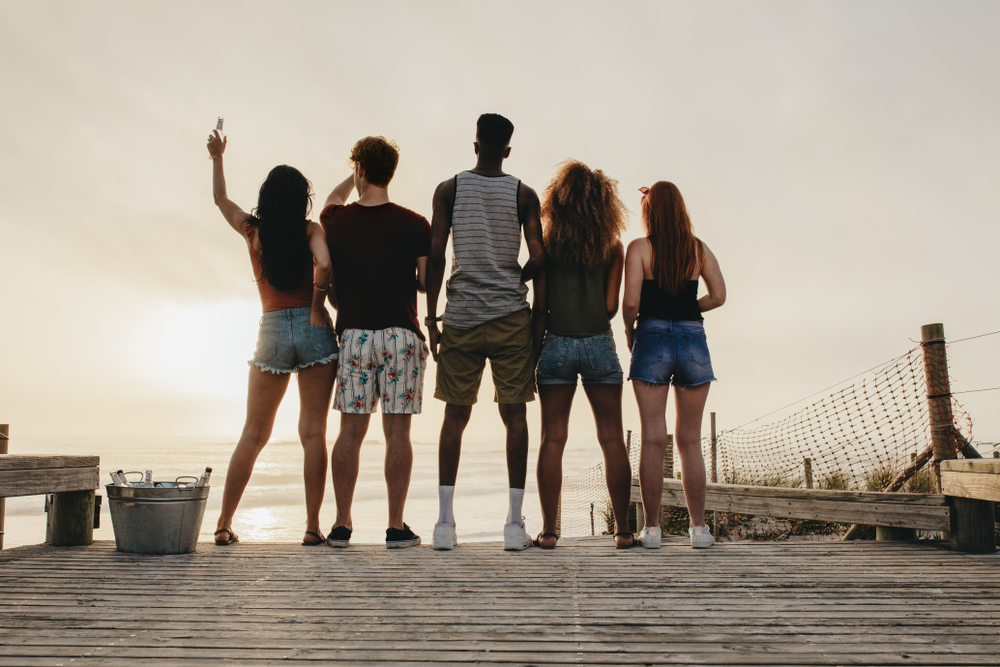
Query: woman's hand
{"points": [[216, 145], [320, 318]]}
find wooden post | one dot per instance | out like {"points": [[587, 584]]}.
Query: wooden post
{"points": [[808, 465], [973, 523], [72, 517], [4, 439], [558, 514], [668, 471], [938, 396], [591, 519], [715, 470]]}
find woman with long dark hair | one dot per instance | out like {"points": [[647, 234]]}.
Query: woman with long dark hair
{"points": [[575, 298], [292, 268], [665, 332]]}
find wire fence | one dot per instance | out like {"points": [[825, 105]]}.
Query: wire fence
{"points": [[857, 437]]}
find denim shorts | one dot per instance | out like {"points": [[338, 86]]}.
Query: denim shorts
{"points": [[665, 351], [593, 358], [286, 343]]}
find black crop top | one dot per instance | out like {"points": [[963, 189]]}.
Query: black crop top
{"points": [[655, 303]]}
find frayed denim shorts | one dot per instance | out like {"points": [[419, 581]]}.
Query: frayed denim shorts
{"points": [[286, 343], [666, 351], [593, 358]]}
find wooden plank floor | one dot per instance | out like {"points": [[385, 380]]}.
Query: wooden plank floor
{"points": [[744, 603]]}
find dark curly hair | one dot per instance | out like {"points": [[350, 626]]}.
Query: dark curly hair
{"points": [[582, 216], [283, 204], [378, 156]]}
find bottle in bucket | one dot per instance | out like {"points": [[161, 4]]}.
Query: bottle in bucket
{"points": [[203, 480], [116, 480], [148, 483], [123, 478]]}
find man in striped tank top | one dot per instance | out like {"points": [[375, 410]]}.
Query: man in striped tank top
{"points": [[485, 211]]}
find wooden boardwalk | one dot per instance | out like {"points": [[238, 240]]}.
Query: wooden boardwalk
{"points": [[746, 603]]}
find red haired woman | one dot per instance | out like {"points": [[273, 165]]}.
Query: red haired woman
{"points": [[575, 298], [664, 330]]}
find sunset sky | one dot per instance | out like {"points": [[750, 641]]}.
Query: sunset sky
{"points": [[840, 158]]}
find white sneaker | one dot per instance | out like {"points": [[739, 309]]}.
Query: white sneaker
{"points": [[515, 537], [648, 540], [701, 537], [445, 538]]}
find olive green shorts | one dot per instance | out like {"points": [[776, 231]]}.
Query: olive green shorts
{"points": [[462, 356]]}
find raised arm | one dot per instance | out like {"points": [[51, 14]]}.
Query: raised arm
{"points": [[615, 272], [715, 284], [634, 273], [341, 192], [234, 215], [320, 316], [444, 201], [529, 210]]}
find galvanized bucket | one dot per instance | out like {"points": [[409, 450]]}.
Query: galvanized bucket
{"points": [[157, 520]]}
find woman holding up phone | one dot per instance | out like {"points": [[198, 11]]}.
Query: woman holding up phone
{"points": [[292, 268]]}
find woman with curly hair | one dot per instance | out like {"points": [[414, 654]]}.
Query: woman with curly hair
{"points": [[668, 344], [575, 298], [296, 334]]}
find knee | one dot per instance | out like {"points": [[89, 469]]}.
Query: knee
{"points": [[513, 414], [457, 416], [312, 433]]}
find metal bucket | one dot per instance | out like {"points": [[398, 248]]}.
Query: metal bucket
{"points": [[157, 520]]}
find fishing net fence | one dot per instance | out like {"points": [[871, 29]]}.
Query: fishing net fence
{"points": [[858, 437]]}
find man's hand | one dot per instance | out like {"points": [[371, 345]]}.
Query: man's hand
{"points": [[433, 337]]}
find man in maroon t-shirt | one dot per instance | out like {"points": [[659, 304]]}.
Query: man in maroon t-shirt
{"points": [[379, 252]]}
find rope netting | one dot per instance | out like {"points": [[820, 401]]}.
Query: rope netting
{"points": [[858, 437]]}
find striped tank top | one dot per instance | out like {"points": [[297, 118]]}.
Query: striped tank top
{"points": [[485, 282]]}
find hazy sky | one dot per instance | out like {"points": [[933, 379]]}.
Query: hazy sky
{"points": [[840, 158]]}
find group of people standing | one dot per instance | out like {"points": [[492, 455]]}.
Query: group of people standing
{"points": [[369, 259]]}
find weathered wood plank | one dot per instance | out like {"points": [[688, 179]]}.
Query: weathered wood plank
{"points": [[928, 512], [44, 461], [971, 485], [984, 466], [38, 481]]}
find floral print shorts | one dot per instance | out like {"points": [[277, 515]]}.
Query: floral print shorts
{"points": [[386, 364]]}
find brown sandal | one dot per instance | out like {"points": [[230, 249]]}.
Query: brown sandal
{"points": [[537, 542], [233, 537], [318, 536], [631, 544]]}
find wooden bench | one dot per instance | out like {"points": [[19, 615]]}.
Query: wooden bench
{"points": [[73, 480], [935, 512]]}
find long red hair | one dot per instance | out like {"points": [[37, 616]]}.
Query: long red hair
{"points": [[676, 250]]}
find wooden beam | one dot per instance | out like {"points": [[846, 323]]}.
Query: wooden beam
{"points": [[48, 480], [30, 462], [899, 510], [976, 479]]}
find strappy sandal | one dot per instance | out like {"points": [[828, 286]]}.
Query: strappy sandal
{"points": [[318, 536], [233, 537], [631, 544], [537, 542]]}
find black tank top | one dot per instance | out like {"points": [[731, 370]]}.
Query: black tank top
{"points": [[655, 303]]}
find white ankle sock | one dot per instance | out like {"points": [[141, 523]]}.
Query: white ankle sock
{"points": [[446, 500], [516, 498]]}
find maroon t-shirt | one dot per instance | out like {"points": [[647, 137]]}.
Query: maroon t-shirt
{"points": [[374, 251]]}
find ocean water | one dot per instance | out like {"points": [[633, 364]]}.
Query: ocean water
{"points": [[273, 506]]}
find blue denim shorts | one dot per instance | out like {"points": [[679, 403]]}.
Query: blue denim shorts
{"points": [[286, 343], [593, 358], [664, 352]]}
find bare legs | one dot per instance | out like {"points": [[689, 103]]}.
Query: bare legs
{"points": [[606, 403], [690, 405], [264, 393], [346, 457]]}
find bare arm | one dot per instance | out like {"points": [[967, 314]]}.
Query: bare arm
{"points": [[422, 274], [320, 316], [614, 286], [340, 193], [234, 215], [715, 284], [444, 201], [539, 316], [529, 210], [634, 273]]}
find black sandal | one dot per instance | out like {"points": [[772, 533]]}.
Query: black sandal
{"points": [[631, 544], [318, 536], [233, 537], [537, 541]]}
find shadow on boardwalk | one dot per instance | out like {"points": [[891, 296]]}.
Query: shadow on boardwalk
{"points": [[584, 603]]}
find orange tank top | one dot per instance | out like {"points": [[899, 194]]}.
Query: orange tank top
{"points": [[272, 298]]}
